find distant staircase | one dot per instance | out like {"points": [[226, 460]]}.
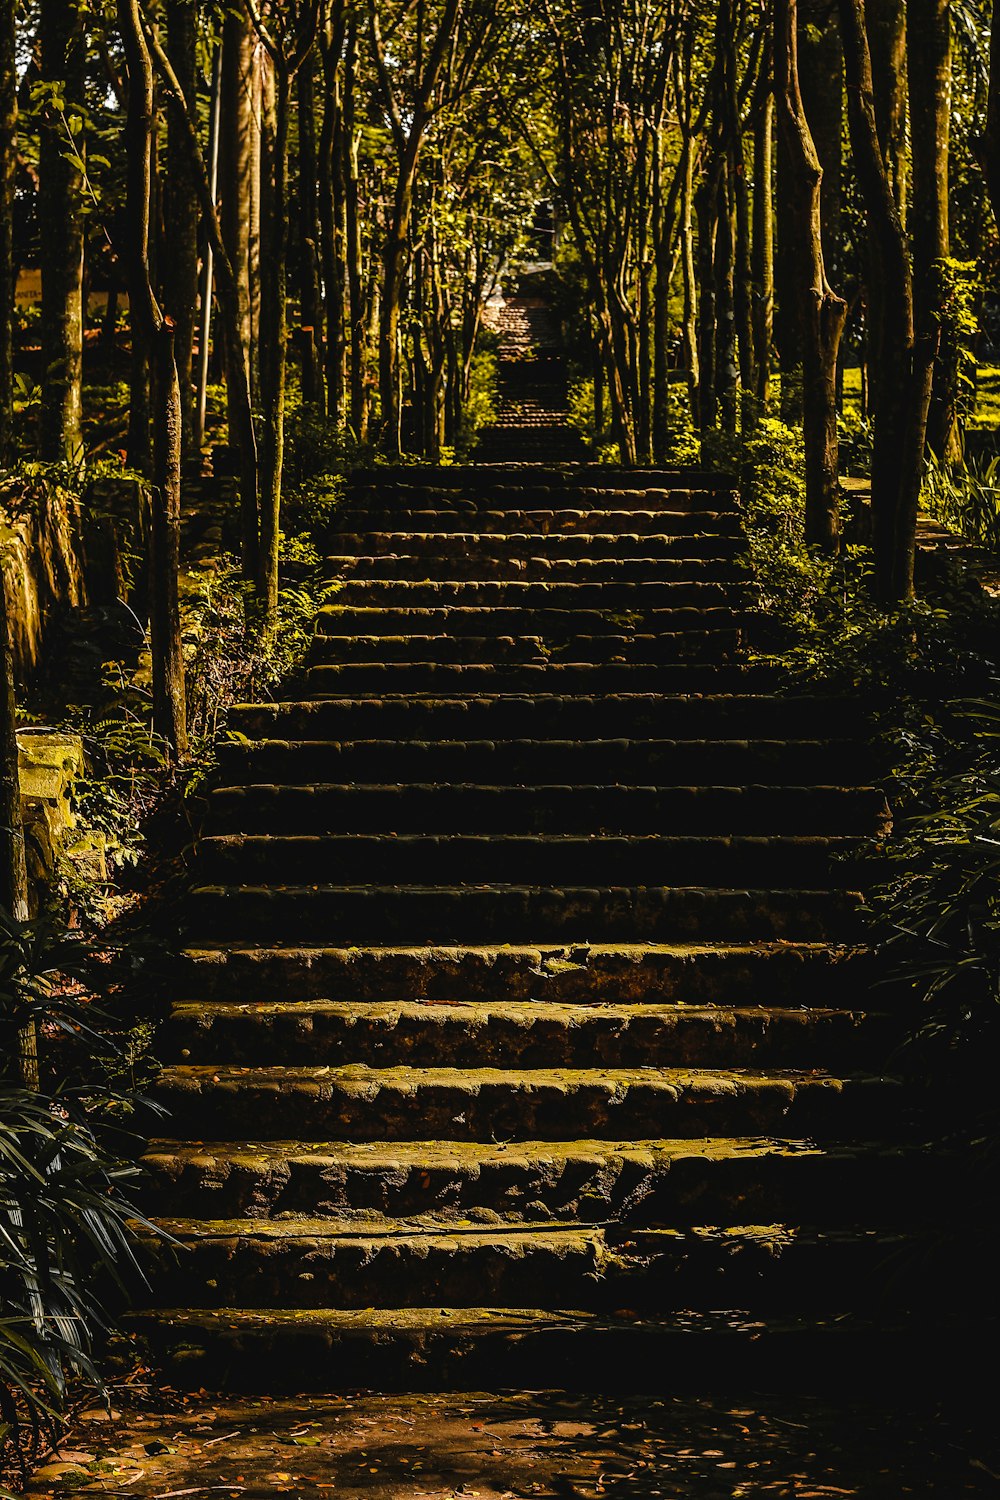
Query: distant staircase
{"points": [[532, 424]]}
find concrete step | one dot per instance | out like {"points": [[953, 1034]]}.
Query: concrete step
{"points": [[520, 1033], [495, 566], [447, 807], [560, 546], [475, 858], [349, 620], [559, 518], [684, 715], [592, 484], [655, 1183], [373, 1261], [630, 597], [768, 974], [484, 913], [481, 1348], [357, 1103], [669, 762], [385, 654]]}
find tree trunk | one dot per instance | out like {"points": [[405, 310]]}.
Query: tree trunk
{"points": [[310, 302], [169, 718], [706, 203], [8, 271], [991, 135], [60, 216], [232, 307], [169, 711], [905, 366], [787, 333], [237, 139], [763, 250], [357, 303], [821, 75], [332, 219], [726, 372], [13, 867], [274, 333], [822, 313], [182, 215], [929, 69]]}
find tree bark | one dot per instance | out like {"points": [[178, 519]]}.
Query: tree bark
{"points": [[8, 271], [274, 333], [310, 302], [60, 216], [169, 715], [182, 215], [905, 365], [763, 250], [822, 313], [237, 141], [929, 72]]}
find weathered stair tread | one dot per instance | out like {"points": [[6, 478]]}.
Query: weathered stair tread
{"points": [[631, 597], [322, 807], [493, 1348], [671, 1182], [362, 1103], [478, 912], [638, 972], [348, 1263], [462, 1032]]}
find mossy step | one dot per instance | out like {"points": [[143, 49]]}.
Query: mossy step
{"points": [[391, 654], [472, 480], [671, 1183], [358, 1103], [815, 861], [510, 543], [616, 595], [461, 806], [515, 1033], [520, 913], [539, 620], [441, 1348], [377, 1262], [547, 520], [492, 566], [648, 973]]}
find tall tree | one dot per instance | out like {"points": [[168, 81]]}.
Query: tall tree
{"points": [[929, 74], [62, 58], [181, 211], [169, 714], [821, 312], [8, 163], [904, 362]]}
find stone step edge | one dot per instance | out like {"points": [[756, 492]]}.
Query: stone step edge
{"points": [[537, 954], [571, 1011]]}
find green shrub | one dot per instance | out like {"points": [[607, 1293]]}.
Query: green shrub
{"points": [[66, 1216]]}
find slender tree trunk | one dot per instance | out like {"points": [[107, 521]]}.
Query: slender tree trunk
{"points": [[310, 302], [707, 205], [905, 365], [8, 271], [236, 143], [332, 220], [991, 135], [232, 306], [61, 237], [169, 714], [821, 75], [182, 215], [13, 867], [274, 223], [763, 250], [788, 334], [822, 313], [689, 282], [357, 303], [929, 69], [726, 372]]}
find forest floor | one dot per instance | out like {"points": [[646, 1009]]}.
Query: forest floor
{"points": [[523, 1446]]}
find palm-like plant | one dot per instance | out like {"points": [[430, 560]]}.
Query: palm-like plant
{"points": [[66, 1214]]}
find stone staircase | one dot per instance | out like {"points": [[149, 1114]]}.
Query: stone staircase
{"points": [[524, 1036]]}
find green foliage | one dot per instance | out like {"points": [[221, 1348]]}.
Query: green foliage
{"points": [[480, 408], [66, 1215], [231, 661], [966, 500]]}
